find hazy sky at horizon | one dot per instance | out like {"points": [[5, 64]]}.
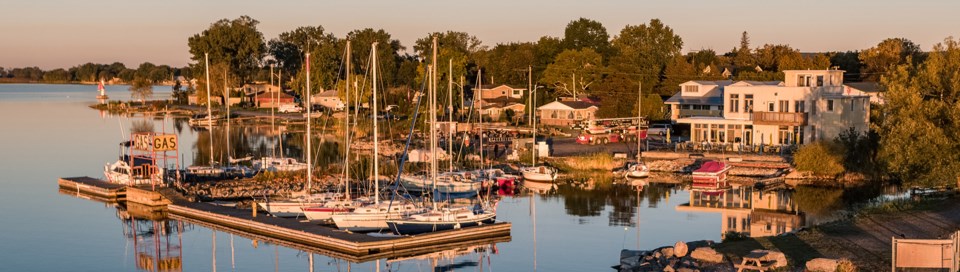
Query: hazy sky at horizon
{"points": [[64, 33]]}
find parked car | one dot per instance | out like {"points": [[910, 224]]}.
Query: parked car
{"points": [[660, 129], [289, 108]]}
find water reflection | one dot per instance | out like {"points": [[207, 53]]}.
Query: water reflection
{"points": [[748, 211], [619, 198]]}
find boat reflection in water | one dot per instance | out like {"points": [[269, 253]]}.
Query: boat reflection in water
{"points": [[748, 211]]}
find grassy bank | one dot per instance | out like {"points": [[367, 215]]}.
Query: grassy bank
{"points": [[592, 162]]}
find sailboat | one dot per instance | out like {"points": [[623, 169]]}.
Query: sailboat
{"points": [[211, 171], [440, 218], [122, 172], [638, 169], [102, 90], [536, 173], [294, 205], [373, 217], [281, 163]]}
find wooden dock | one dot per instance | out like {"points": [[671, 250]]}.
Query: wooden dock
{"points": [[289, 232], [93, 187]]}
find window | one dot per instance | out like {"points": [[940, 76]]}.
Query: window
{"points": [[798, 135], [516, 93], [830, 105], [684, 107], [803, 80], [770, 106], [819, 81], [748, 103], [553, 114], [798, 106], [734, 103], [691, 88], [570, 115], [784, 106], [785, 135]]}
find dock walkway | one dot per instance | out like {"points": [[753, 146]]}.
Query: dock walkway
{"points": [[296, 232]]}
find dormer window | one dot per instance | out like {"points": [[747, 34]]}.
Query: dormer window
{"points": [[691, 88], [804, 80]]}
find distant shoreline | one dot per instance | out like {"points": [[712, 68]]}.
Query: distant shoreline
{"points": [[25, 81]]}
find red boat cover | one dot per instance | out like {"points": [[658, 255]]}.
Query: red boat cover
{"points": [[711, 167]]}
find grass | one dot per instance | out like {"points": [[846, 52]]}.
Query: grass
{"points": [[596, 161]]}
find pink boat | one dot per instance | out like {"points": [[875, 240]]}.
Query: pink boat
{"points": [[712, 175]]}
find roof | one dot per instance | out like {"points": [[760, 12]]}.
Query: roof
{"points": [[757, 83], [493, 86], [576, 105], [867, 87], [695, 100], [328, 93], [710, 82]]}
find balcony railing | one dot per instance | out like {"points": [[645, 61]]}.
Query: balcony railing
{"points": [[780, 118], [701, 113]]}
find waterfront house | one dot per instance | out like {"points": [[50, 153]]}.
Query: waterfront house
{"points": [[566, 112], [274, 99], [328, 99], [494, 110], [809, 105], [499, 91]]}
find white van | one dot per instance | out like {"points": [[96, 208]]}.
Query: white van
{"points": [[290, 108]]}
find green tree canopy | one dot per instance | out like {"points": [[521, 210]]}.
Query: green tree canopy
{"points": [[585, 33], [574, 71], [646, 49], [235, 42], [878, 60]]}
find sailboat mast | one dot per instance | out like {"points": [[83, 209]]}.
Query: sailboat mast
{"points": [[227, 91], [276, 103], [639, 120], [478, 95], [309, 149], [346, 156], [533, 128], [206, 60], [433, 114], [376, 142], [450, 114], [273, 127]]}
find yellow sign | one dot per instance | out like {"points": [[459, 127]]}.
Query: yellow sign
{"points": [[165, 142], [142, 142]]}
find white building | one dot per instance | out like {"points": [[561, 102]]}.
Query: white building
{"points": [[808, 105], [328, 99]]}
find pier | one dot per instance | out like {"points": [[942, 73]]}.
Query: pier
{"points": [[288, 232]]}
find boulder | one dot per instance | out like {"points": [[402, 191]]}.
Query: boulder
{"points": [[822, 265], [777, 257], [667, 252], [680, 249], [706, 254]]}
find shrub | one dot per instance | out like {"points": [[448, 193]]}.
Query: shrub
{"points": [[821, 158], [845, 265]]}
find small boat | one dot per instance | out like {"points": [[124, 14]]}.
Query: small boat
{"points": [[325, 211], [102, 91], [636, 170], [293, 206], [202, 120], [216, 172], [279, 164], [539, 173], [442, 219], [374, 217], [121, 172], [711, 173]]}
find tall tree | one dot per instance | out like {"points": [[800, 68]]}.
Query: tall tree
{"points": [[574, 71], [646, 49], [743, 58], [289, 47], [235, 42], [388, 56], [586, 33], [921, 117], [141, 88], [878, 60]]}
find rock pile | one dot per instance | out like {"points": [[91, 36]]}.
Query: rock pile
{"points": [[247, 188], [676, 258]]}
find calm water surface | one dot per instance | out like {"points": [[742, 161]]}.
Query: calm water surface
{"points": [[49, 132]]}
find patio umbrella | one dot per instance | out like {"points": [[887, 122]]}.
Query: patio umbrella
{"points": [[668, 136]]}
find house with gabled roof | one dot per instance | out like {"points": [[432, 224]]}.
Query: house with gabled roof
{"points": [[566, 112]]}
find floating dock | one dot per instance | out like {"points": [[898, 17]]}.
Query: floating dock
{"points": [[290, 232], [93, 187]]}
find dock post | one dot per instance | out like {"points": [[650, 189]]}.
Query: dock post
{"points": [[253, 207]]}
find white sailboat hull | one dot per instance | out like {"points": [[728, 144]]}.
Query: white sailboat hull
{"points": [[539, 173]]}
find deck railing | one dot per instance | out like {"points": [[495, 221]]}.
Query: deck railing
{"points": [[780, 118]]}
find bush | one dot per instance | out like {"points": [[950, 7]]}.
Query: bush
{"points": [[821, 158], [845, 265]]}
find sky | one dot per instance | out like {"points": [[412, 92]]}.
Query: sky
{"points": [[64, 33]]}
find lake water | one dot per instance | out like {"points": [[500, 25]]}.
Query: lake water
{"points": [[50, 132]]}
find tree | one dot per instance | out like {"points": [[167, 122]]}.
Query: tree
{"points": [[289, 47], [235, 42], [141, 88], [743, 58], [388, 56], [878, 60], [921, 119], [585, 33], [646, 49], [574, 71]]}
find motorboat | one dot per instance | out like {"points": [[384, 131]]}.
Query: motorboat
{"points": [[636, 170], [539, 173], [279, 164]]}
